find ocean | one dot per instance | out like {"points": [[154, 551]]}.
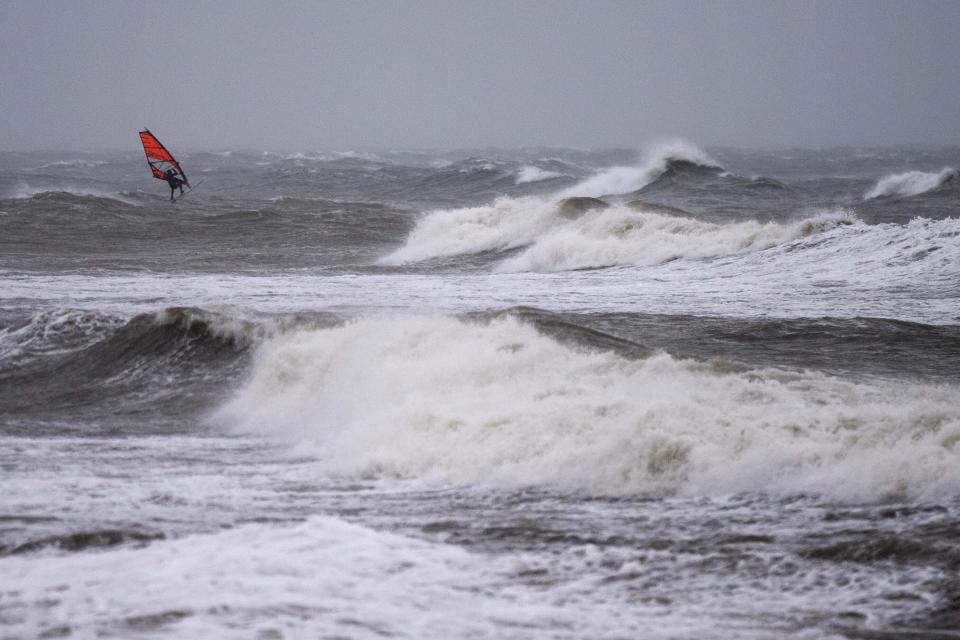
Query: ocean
{"points": [[534, 393]]}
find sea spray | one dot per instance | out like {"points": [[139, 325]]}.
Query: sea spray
{"points": [[530, 173], [448, 401], [623, 235], [618, 235], [507, 223], [911, 183], [656, 159]]}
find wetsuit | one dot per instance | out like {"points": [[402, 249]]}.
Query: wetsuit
{"points": [[174, 182]]}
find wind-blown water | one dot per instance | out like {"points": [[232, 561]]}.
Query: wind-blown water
{"points": [[672, 393]]}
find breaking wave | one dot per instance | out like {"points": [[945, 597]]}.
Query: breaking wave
{"points": [[911, 183], [331, 157], [444, 401], [621, 234], [24, 191], [530, 173], [85, 164], [507, 223], [657, 160]]}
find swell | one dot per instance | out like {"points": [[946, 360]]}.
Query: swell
{"points": [[94, 371], [73, 196], [856, 348], [52, 332], [889, 548], [440, 183], [575, 331], [83, 541], [862, 348], [683, 175], [65, 231]]}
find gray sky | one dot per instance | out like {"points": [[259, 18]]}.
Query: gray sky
{"points": [[388, 74]]}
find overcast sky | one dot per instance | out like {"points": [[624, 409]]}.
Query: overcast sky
{"points": [[454, 74]]}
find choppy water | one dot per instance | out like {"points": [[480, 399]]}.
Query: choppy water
{"points": [[537, 393]]}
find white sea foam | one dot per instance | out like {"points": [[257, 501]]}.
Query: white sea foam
{"points": [[507, 223], [309, 157], [87, 164], [54, 331], [618, 235], [911, 183], [24, 191], [531, 173], [655, 161], [322, 578], [621, 235], [442, 400], [327, 578], [328, 157], [481, 165]]}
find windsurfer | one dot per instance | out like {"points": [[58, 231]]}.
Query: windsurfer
{"points": [[174, 181]]}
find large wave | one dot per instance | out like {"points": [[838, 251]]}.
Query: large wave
{"points": [[657, 159], [911, 183], [558, 232], [507, 223], [621, 234], [444, 400], [91, 366]]}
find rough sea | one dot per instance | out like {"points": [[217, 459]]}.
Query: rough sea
{"points": [[501, 394]]}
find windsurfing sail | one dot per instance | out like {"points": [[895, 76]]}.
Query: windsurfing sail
{"points": [[159, 159]]}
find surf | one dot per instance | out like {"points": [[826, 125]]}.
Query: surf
{"points": [[656, 160], [449, 401], [559, 235], [911, 183]]}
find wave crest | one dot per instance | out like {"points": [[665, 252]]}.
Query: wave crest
{"points": [[626, 236], [911, 183], [531, 173], [657, 160], [24, 191], [507, 223]]}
